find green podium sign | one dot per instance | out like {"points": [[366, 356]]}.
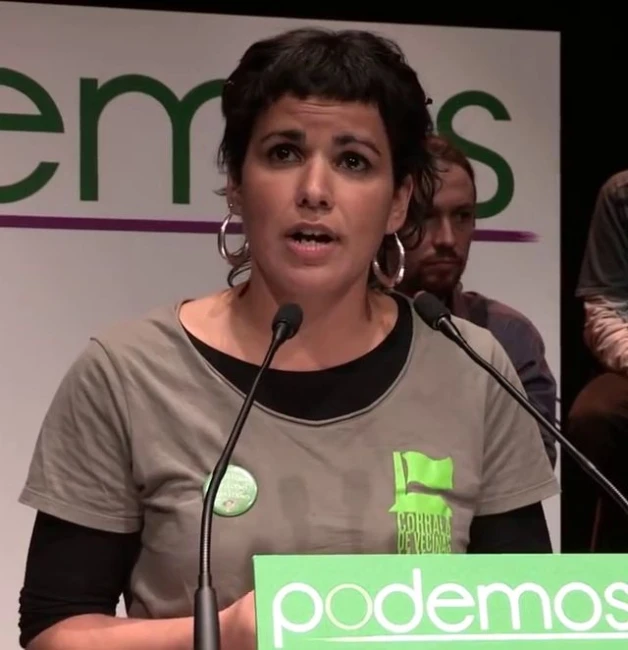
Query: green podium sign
{"points": [[432, 602]]}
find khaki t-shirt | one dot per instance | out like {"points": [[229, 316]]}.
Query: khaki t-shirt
{"points": [[139, 420]]}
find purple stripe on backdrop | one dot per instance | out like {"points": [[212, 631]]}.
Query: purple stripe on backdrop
{"points": [[197, 226], [109, 224], [511, 236]]}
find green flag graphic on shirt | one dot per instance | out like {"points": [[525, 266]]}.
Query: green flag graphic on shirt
{"points": [[423, 514]]}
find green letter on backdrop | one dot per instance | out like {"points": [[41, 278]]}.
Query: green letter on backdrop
{"points": [[47, 120], [94, 99], [505, 178]]}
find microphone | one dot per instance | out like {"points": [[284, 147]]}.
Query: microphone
{"points": [[285, 325], [436, 315]]}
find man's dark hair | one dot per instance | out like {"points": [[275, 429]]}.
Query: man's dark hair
{"points": [[444, 151]]}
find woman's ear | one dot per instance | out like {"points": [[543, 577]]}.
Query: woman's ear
{"points": [[399, 208], [234, 197]]}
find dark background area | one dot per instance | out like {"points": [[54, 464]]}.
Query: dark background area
{"points": [[594, 135]]}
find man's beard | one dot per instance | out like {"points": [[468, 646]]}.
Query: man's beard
{"points": [[411, 285]]}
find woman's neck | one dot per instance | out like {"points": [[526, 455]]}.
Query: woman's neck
{"points": [[335, 329]]}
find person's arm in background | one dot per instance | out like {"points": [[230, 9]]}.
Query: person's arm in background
{"points": [[526, 350], [603, 283]]}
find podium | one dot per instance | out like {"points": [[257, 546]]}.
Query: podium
{"points": [[438, 602]]}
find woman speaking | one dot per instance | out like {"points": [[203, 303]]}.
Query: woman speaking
{"points": [[371, 433]]}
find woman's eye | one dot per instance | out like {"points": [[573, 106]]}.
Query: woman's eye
{"points": [[355, 162], [282, 153]]}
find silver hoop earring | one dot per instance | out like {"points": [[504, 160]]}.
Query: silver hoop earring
{"points": [[237, 258], [391, 282], [237, 271]]}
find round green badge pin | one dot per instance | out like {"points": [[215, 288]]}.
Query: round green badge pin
{"points": [[237, 492]]}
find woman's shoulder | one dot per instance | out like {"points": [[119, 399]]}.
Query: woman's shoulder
{"points": [[484, 344], [152, 326], [448, 354], [155, 333], [479, 338]]}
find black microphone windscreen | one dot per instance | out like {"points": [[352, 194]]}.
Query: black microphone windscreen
{"points": [[291, 316], [430, 309]]}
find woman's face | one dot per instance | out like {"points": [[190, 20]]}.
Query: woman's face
{"points": [[317, 194]]}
